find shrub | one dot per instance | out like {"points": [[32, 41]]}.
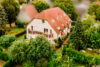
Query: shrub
{"points": [[9, 63], [28, 64], [4, 56], [20, 24], [1, 49], [81, 58], [64, 50], [42, 63], [6, 40], [17, 51]]}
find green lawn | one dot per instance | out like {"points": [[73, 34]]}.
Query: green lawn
{"points": [[14, 31]]}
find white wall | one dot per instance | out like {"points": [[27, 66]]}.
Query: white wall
{"points": [[38, 25]]}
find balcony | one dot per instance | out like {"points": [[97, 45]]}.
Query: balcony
{"points": [[40, 33]]}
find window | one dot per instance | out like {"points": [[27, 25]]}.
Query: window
{"points": [[52, 20], [64, 14], [45, 30], [31, 27], [58, 28], [50, 31]]}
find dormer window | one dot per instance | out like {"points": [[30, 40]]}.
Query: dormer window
{"points": [[52, 20], [62, 25], [58, 28], [69, 20], [64, 14]]}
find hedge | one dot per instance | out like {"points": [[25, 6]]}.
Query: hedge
{"points": [[4, 56], [81, 57], [1, 49], [6, 40]]}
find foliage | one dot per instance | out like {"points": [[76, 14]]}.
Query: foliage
{"points": [[94, 9], [64, 50], [6, 40], [76, 36], [4, 56], [40, 5], [22, 1], [81, 57], [9, 63], [39, 47], [20, 24], [1, 49], [42, 63], [68, 7], [3, 21], [11, 8], [17, 51], [91, 37], [28, 64]]}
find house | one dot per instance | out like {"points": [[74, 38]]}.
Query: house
{"points": [[27, 13], [52, 23]]}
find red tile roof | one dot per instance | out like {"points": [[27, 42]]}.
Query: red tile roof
{"points": [[30, 10], [56, 17]]}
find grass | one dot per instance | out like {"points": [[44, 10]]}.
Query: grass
{"points": [[21, 37], [14, 31]]}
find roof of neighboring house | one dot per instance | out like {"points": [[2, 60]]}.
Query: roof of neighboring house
{"points": [[30, 10], [56, 17]]}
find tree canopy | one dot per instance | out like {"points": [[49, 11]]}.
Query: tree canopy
{"points": [[94, 9], [40, 5], [40, 48], [68, 7], [3, 20], [11, 8]]}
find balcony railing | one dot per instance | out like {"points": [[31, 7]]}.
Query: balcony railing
{"points": [[40, 33]]}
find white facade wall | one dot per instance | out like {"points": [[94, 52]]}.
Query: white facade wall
{"points": [[38, 25]]}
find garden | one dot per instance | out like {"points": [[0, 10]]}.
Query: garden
{"points": [[79, 48]]}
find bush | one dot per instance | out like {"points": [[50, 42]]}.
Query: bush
{"points": [[20, 24], [1, 49], [42, 63], [17, 51], [28, 64], [9, 63], [4, 56], [81, 58], [6, 40]]}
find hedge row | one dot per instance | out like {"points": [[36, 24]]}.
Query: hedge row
{"points": [[81, 57], [4, 56]]}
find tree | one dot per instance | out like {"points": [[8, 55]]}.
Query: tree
{"points": [[17, 51], [12, 9], [39, 48], [40, 5], [3, 21], [94, 9], [68, 7], [22, 1], [77, 36]]}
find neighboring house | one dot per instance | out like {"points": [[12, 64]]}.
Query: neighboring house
{"points": [[27, 13], [52, 23]]}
